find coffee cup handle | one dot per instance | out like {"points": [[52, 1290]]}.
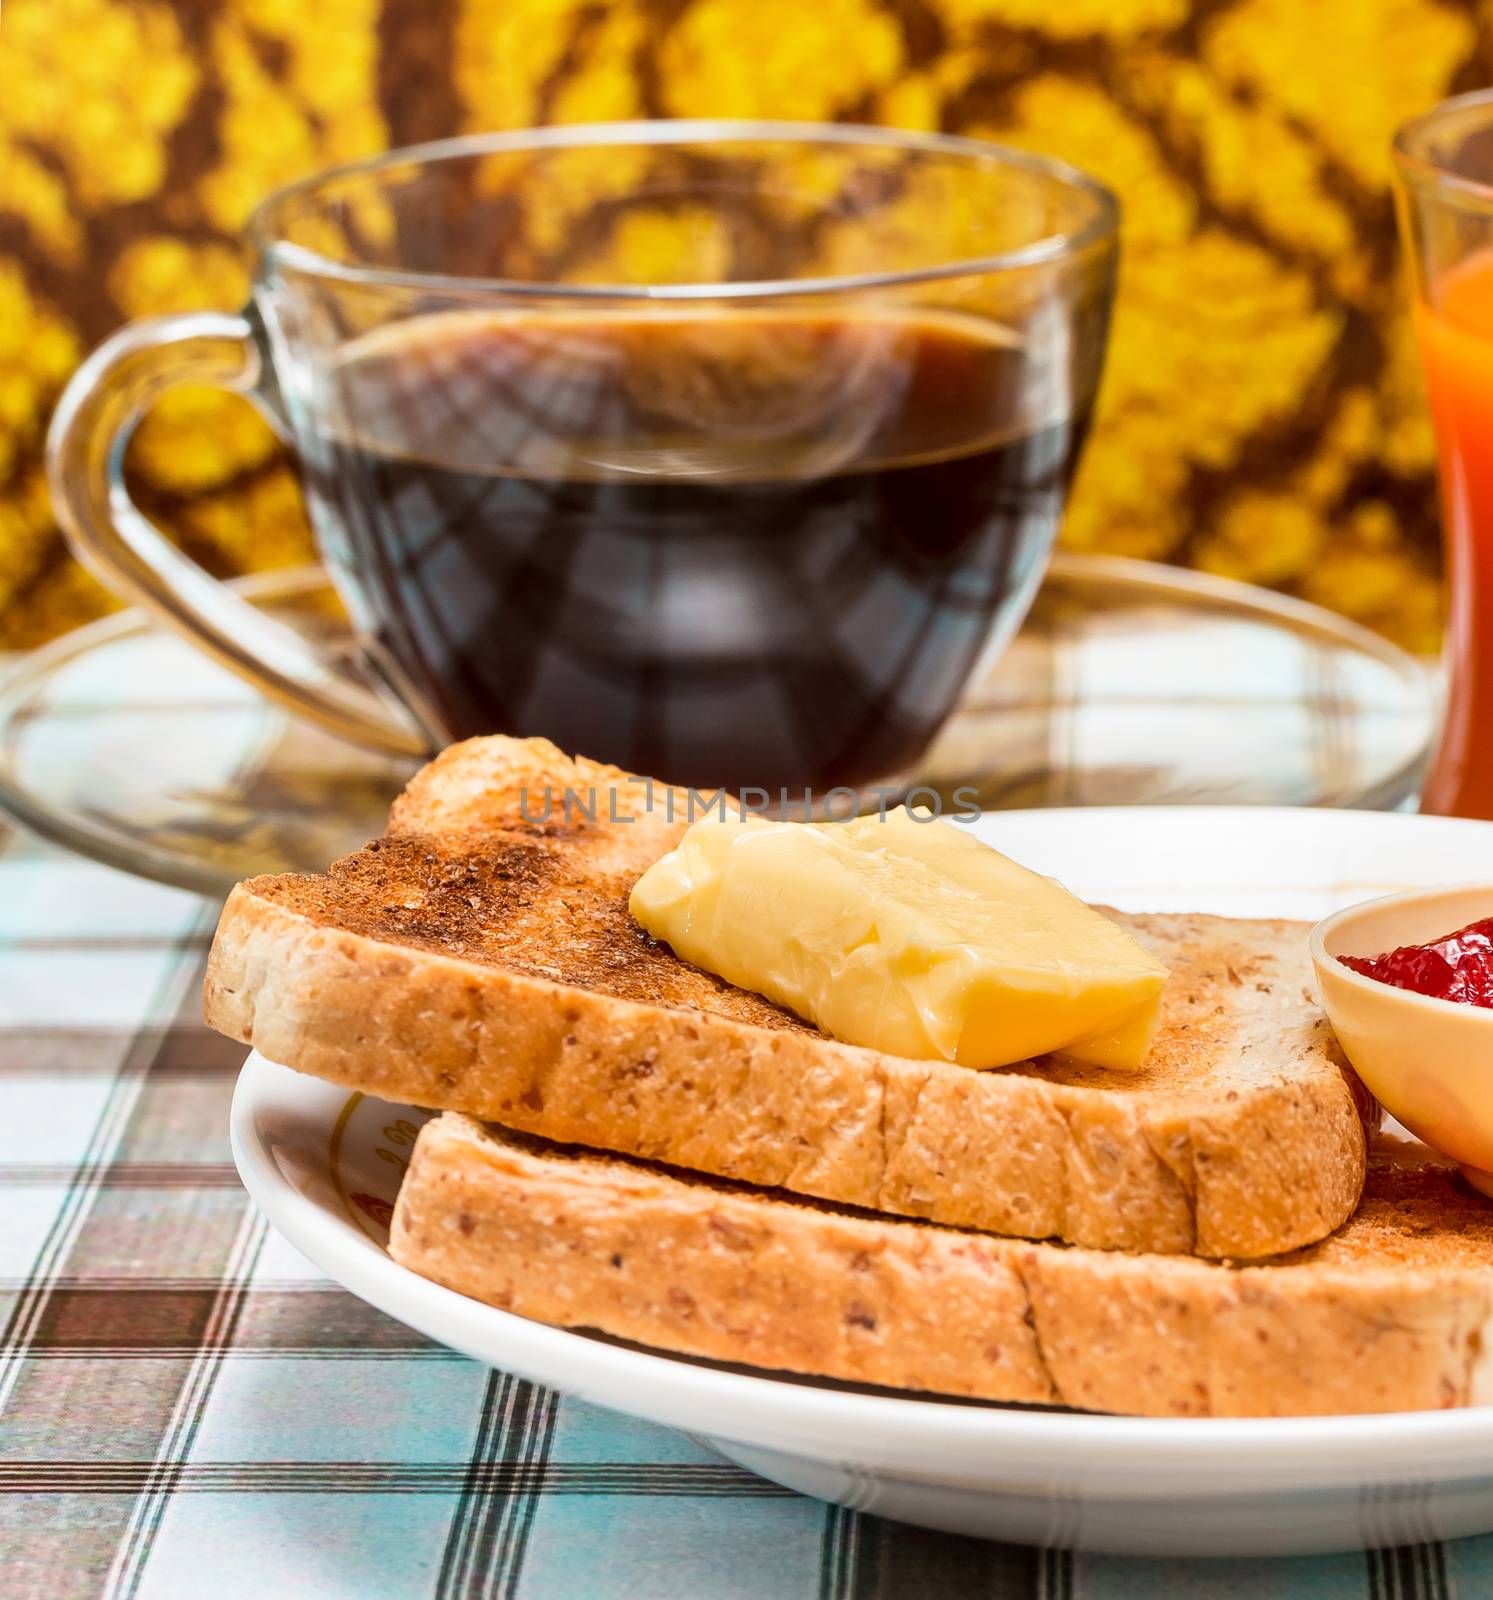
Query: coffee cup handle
{"points": [[118, 544]]}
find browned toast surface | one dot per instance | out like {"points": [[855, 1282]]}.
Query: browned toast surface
{"points": [[530, 905], [1386, 1315], [535, 902], [481, 957]]}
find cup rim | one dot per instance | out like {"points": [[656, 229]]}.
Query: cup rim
{"points": [[1415, 166], [1102, 223]]}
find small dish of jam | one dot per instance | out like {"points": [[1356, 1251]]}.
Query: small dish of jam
{"points": [[1458, 966], [1412, 1007]]}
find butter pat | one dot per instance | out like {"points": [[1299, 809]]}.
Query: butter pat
{"points": [[907, 935]]}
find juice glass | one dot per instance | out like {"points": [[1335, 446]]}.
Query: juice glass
{"points": [[1444, 163]]}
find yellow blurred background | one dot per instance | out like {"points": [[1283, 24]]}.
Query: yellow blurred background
{"points": [[1262, 414]]}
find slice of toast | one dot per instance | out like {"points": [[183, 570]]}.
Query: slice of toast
{"points": [[480, 957], [1386, 1315]]}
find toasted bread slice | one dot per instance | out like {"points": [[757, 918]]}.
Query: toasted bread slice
{"points": [[480, 957], [1386, 1315]]}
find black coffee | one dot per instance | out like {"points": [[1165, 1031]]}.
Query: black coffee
{"points": [[723, 549]]}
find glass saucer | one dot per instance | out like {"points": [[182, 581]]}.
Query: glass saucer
{"points": [[1130, 684]]}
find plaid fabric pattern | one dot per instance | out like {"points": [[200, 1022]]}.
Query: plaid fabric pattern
{"points": [[188, 1408]]}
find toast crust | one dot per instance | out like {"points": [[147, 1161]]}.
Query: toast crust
{"points": [[1390, 1314], [480, 957]]}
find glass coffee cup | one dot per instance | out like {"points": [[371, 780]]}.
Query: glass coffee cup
{"points": [[728, 453]]}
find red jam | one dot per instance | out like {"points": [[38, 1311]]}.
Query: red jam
{"points": [[1458, 967]]}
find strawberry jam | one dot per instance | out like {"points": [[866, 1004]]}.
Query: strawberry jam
{"points": [[1458, 967]]}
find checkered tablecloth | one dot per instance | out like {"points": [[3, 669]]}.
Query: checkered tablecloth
{"points": [[189, 1411]]}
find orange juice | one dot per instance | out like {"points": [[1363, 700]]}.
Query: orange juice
{"points": [[1456, 336]]}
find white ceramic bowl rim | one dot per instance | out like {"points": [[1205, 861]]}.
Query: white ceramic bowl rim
{"points": [[1408, 898]]}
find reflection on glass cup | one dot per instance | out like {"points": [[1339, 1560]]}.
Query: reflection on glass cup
{"points": [[724, 452]]}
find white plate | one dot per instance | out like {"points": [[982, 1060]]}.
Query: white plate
{"points": [[325, 1165]]}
